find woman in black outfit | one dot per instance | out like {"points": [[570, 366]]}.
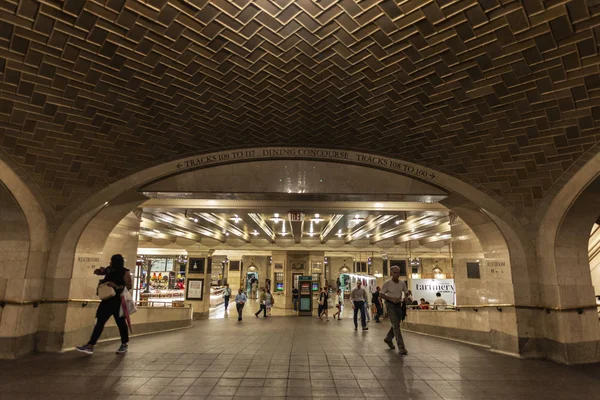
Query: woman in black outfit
{"points": [[117, 277], [323, 308]]}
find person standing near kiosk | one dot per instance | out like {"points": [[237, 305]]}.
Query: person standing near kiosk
{"points": [[392, 291]]}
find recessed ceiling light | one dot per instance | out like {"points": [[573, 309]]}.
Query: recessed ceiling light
{"points": [[255, 233]]}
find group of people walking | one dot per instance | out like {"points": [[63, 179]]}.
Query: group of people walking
{"points": [[393, 291], [266, 302]]}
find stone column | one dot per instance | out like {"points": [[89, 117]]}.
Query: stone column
{"points": [[197, 268], [234, 277], [285, 299]]}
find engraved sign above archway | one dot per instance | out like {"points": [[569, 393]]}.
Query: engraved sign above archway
{"points": [[312, 179]]}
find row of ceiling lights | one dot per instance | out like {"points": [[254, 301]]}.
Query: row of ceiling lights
{"points": [[317, 218]]}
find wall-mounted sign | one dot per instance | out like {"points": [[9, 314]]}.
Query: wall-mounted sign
{"points": [[295, 216], [297, 265], [195, 288], [279, 153], [196, 266], [427, 288], [496, 263]]}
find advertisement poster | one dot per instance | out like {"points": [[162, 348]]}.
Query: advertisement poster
{"points": [[194, 289], [427, 288]]}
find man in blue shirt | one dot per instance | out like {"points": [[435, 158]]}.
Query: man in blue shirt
{"points": [[240, 301]]}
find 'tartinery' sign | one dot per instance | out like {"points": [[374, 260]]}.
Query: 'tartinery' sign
{"points": [[427, 288], [299, 153]]}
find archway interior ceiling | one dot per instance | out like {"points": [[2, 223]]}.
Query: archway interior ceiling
{"points": [[268, 221], [502, 93]]}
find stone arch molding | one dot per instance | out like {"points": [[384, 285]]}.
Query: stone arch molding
{"points": [[78, 216], [23, 269], [110, 205]]}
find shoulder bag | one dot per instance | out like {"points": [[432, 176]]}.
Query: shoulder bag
{"points": [[105, 292]]}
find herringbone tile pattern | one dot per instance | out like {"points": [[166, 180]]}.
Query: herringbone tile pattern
{"points": [[503, 93]]}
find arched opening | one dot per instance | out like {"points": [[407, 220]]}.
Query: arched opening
{"points": [[23, 244], [594, 258], [439, 207], [565, 243]]}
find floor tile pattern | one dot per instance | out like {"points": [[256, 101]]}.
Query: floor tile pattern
{"points": [[292, 358], [502, 93]]}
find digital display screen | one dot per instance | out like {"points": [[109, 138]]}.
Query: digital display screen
{"points": [[305, 288], [315, 287], [279, 286]]}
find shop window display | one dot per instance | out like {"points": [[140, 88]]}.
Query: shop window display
{"points": [[161, 281]]}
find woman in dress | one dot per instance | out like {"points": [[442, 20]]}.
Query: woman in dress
{"points": [[338, 304]]}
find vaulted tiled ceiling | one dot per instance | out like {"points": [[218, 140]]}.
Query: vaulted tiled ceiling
{"points": [[502, 93]]}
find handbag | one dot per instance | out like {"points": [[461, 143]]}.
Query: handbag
{"points": [[105, 292]]}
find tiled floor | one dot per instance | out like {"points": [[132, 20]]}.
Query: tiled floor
{"points": [[290, 357]]}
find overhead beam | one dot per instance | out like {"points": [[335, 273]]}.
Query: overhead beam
{"points": [[329, 229], [168, 230], [268, 206], [441, 228], [256, 222], [222, 223], [179, 222], [368, 227], [297, 230]]}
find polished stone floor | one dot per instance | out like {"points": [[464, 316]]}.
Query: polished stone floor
{"points": [[290, 357]]}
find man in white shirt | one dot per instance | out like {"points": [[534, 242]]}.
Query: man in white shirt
{"points": [[439, 303], [392, 292], [240, 301], [358, 296]]}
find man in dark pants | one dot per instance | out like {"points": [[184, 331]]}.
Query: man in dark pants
{"points": [[358, 296], [226, 295], [295, 298], [392, 292], [376, 299], [240, 301], [263, 304]]}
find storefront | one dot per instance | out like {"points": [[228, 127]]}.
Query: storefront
{"points": [[159, 281], [347, 282]]}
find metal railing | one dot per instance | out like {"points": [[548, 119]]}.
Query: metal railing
{"points": [[83, 302], [501, 307]]}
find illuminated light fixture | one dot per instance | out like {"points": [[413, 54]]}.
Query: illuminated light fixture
{"points": [[339, 234], [438, 234], [368, 235], [317, 218], [399, 221], [311, 234], [276, 218], [235, 218], [255, 233], [357, 219]]}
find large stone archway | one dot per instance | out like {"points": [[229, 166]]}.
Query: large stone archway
{"points": [[103, 211], [23, 253], [563, 227]]}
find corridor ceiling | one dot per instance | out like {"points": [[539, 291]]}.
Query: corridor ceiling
{"points": [[502, 93], [343, 227]]}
